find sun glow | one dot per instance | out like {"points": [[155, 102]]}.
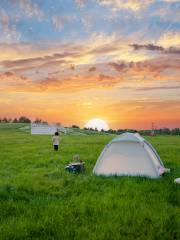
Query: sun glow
{"points": [[98, 124]]}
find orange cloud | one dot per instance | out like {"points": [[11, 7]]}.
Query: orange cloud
{"points": [[96, 50], [79, 83], [10, 81], [13, 82], [159, 69], [155, 68]]}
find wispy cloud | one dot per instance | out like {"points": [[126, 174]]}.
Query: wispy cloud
{"points": [[158, 88], [127, 74], [13, 82], [30, 63], [9, 32], [87, 21], [30, 9], [80, 3], [154, 67], [133, 5], [60, 21], [168, 14], [169, 39]]}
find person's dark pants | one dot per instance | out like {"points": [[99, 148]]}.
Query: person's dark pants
{"points": [[55, 147]]}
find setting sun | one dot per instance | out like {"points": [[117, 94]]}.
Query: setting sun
{"points": [[98, 124]]}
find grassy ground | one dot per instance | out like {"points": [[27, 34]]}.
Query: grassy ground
{"points": [[39, 200]]}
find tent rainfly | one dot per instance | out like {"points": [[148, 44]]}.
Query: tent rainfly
{"points": [[129, 154]]}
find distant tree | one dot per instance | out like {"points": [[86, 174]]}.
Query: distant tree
{"points": [[119, 131], [175, 131], [44, 122], [159, 131], [24, 119], [4, 120], [75, 126], [15, 120], [110, 131], [37, 120], [166, 131]]}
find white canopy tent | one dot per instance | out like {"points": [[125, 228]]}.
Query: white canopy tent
{"points": [[46, 129], [129, 154]]}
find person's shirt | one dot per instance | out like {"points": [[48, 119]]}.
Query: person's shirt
{"points": [[55, 140]]}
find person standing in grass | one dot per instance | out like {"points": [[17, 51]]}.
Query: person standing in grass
{"points": [[55, 141]]}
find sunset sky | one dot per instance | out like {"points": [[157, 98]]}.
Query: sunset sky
{"points": [[72, 60]]}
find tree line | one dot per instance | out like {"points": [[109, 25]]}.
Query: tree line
{"points": [[160, 131], [22, 119]]}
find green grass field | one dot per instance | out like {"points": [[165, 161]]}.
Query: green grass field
{"points": [[39, 200]]}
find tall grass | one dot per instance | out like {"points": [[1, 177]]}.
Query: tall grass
{"points": [[40, 200]]}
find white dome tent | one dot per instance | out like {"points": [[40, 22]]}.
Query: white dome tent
{"points": [[129, 154]]}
